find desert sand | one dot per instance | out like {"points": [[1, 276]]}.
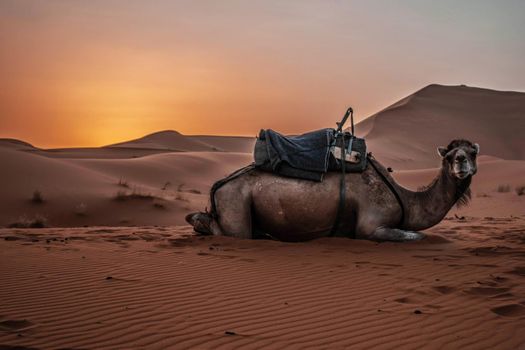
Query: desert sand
{"points": [[157, 288], [117, 266]]}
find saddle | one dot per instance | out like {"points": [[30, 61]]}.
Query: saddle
{"points": [[310, 156]]}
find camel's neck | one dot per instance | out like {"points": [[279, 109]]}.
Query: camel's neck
{"points": [[426, 208]]}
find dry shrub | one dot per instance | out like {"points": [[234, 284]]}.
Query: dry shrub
{"points": [[159, 205], [520, 190], [81, 209], [37, 197], [136, 194], [123, 183], [503, 188], [38, 221]]}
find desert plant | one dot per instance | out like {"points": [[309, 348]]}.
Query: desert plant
{"points": [[179, 188], [503, 188], [159, 205], [38, 221], [37, 197], [181, 198], [166, 185], [194, 191], [81, 209], [123, 183], [136, 194], [520, 190], [121, 195]]}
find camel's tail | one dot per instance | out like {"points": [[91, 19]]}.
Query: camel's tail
{"points": [[201, 222]]}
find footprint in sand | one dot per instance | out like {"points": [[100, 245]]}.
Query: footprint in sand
{"points": [[511, 310], [518, 270], [14, 325], [15, 347], [444, 289], [407, 300], [485, 291]]}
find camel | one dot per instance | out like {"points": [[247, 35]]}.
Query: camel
{"points": [[254, 202]]}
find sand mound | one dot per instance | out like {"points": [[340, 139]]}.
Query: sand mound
{"points": [[16, 144], [167, 140], [227, 143], [406, 134], [161, 188]]}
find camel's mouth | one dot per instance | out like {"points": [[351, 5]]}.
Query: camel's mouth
{"points": [[462, 174]]}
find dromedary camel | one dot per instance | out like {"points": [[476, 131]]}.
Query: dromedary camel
{"points": [[293, 210]]}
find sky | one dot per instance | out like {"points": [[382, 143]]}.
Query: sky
{"points": [[91, 73]]}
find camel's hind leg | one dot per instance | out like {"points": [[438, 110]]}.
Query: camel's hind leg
{"points": [[233, 203], [233, 209], [203, 223]]}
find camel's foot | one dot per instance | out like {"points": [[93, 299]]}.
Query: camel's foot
{"points": [[201, 222], [395, 235]]}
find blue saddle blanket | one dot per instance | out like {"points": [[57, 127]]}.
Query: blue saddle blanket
{"points": [[309, 152]]}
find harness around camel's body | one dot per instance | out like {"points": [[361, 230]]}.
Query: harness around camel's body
{"points": [[342, 195], [339, 137]]}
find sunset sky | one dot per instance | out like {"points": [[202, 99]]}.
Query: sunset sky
{"points": [[94, 72]]}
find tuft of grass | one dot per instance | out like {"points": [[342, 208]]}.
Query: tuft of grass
{"points": [[520, 190], [123, 183], [194, 191], [81, 209], [166, 185], [136, 194], [159, 205], [179, 188], [38, 221], [503, 188], [37, 197], [180, 197]]}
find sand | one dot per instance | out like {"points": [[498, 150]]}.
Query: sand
{"points": [[82, 186], [118, 268], [158, 288]]}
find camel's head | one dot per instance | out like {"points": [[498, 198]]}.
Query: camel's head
{"points": [[460, 158]]}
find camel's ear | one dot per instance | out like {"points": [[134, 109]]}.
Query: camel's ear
{"points": [[442, 151], [476, 147]]}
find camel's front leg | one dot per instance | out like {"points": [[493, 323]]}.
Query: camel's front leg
{"points": [[395, 235]]}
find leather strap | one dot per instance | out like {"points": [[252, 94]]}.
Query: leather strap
{"points": [[371, 160], [342, 189]]}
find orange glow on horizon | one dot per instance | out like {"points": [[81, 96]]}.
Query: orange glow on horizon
{"points": [[91, 73]]}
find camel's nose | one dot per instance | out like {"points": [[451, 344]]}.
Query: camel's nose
{"points": [[461, 158]]}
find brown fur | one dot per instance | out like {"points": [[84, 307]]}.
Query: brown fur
{"points": [[293, 210]]}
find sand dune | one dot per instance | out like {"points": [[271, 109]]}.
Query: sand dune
{"points": [[165, 175], [158, 288], [175, 141], [169, 139], [406, 134], [156, 190], [143, 282], [228, 143], [161, 188]]}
